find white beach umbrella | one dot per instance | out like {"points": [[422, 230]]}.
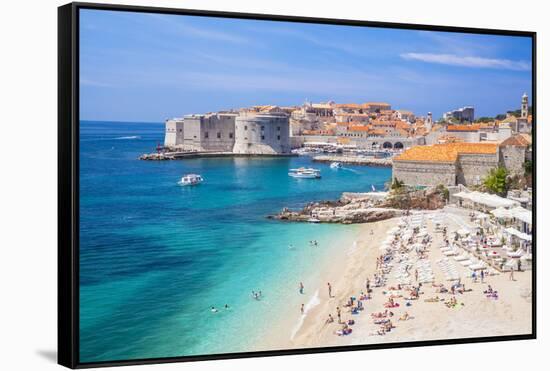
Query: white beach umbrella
{"points": [[463, 232]]}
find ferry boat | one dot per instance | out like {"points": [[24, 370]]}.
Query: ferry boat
{"points": [[305, 173], [191, 179], [336, 165]]}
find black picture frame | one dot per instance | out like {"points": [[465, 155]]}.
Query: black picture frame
{"points": [[68, 182]]}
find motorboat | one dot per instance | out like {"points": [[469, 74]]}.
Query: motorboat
{"points": [[305, 173], [191, 179], [336, 165]]}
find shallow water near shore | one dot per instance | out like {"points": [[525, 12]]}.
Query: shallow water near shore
{"points": [[155, 257]]}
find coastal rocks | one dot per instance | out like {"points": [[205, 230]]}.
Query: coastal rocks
{"points": [[366, 207], [426, 199], [337, 212], [366, 196]]}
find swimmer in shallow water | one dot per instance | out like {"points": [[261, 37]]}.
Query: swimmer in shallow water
{"points": [[213, 310]]}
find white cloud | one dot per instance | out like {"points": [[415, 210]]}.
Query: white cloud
{"points": [[178, 26], [476, 62]]}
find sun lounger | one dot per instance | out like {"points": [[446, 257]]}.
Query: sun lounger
{"points": [[450, 253], [478, 266], [461, 257], [466, 263], [516, 254]]}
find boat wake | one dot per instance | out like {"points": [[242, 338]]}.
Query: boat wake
{"points": [[350, 169], [312, 303], [128, 137]]}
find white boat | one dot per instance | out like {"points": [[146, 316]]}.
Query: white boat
{"points": [[313, 220], [336, 165], [305, 173], [191, 179]]}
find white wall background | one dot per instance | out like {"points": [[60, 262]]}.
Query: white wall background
{"points": [[28, 181]]}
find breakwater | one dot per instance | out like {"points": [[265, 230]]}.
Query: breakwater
{"points": [[162, 156], [355, 160]]}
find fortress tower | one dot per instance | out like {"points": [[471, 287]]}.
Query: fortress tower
{"points": [[262, 133]]}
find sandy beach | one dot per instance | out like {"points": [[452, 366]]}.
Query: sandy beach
{"points": [[474, 315]]}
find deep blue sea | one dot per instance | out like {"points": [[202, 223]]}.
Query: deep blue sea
{"points": [[155, 256]]}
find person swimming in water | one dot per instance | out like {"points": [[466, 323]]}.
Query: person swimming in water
{"points": [[213, 310], [226, 307]]}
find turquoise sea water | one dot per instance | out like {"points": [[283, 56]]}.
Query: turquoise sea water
{"points": [[154, 256]]}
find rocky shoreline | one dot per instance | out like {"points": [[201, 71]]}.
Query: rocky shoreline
{"points": [[367, 207]]}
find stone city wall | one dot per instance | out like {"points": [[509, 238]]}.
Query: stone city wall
{"points": [[513, 158], [473, 168], [209, 133], [415, 173]]}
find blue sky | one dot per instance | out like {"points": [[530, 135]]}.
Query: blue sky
{"points": [[149, 67]]}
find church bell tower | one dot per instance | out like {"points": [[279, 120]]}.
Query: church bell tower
{"points": [[524, 106]]}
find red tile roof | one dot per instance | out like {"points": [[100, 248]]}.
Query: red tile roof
{"points": [[447, 152]]}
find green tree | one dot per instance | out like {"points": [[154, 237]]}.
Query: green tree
{"points": [[485, 119], [397, 185], [443, 191], [453, 121], [496, 181]]}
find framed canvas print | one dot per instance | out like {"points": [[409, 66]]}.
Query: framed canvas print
{"points": [[240, 185]]}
